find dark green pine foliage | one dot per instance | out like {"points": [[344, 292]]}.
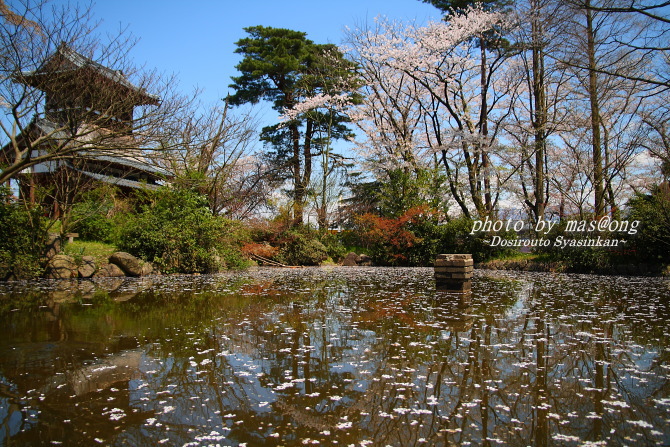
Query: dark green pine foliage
{"points": [[284, 67], [274, 59], [458, 5]]}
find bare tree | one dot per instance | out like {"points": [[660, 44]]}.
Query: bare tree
{"points": [[538, 103], [214, 154], [17, 19], [655, 129], [649, 38], [607, 105], [653, 10]]}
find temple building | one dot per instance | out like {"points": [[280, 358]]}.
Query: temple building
{"points": [[88, 118]]}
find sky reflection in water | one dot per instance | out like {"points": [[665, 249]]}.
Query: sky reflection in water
{"points": [[346, 356]]}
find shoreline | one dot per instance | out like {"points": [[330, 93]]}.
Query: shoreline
{"points": [[530, 265]]}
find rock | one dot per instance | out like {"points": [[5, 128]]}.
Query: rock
{"points": [[365, 260], [129, 264], [132, 266], [147, 269], [61, 267], [87, 267], [109, 270], [53, 245], [351, 259]]}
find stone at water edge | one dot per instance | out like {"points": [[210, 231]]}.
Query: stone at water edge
{"points": [[130, 265], [351, 259], [61, 267], [148, 269], [87, 268], [110, 271]]}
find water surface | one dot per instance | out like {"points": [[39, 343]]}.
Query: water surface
{"points": [[335, 356]]}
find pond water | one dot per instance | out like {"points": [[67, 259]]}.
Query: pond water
{"points": [[336, 356]]}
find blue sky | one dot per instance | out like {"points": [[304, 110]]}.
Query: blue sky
{"points": [[196, 40]]}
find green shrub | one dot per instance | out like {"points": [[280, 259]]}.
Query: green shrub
{"points": [[94, 227], [580, 259], [23, 238], [652, 241], [334, 247], [429, 235], [301, 247], [177, 231], [95, 217], [456, 238]]}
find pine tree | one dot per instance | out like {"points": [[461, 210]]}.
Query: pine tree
{"points": [[284, 67]]}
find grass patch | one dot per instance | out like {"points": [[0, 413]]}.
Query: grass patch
{"points": [[519, 256], [53, 226], [99, 250], [535, 257]]}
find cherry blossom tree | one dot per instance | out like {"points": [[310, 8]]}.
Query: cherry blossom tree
{"points": [[458, 108], [394, 149]]}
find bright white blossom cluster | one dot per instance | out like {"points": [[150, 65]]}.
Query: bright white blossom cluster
{"points": [[319, 101], [427, 48], [405, 67]]}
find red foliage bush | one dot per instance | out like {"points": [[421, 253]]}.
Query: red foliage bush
{"points": [[390, 238], [259, 249]]}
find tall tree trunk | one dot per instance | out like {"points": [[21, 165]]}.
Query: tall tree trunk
{"points": [[609, 189], [307, 170], [322, 198], [298, 190], [484, 128], [598, 188], [540, 118]]}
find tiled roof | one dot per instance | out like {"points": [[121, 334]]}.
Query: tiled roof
{"points": [[79, 61], [105, 154], [119, 181], [128, 161]]}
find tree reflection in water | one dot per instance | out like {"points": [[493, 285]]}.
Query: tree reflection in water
{"points": [[353, 356]]}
